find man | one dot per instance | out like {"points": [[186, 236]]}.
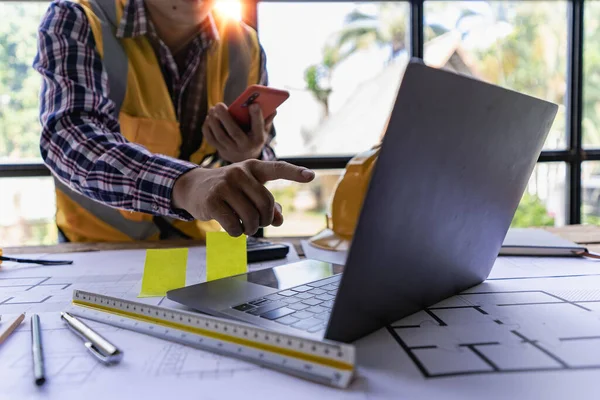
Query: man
{"points": [[133, 117]]}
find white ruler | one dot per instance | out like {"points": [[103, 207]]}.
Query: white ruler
{"points": [[325, 362]]}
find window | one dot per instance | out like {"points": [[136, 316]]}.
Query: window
{"points": [[19, 83], [591, 71], [26, 204], [590, 208], [543, 203], [27, 208], [521, 45], [342, 63], [304, 206]]}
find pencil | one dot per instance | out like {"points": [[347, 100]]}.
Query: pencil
{"points": [[11, 328]]}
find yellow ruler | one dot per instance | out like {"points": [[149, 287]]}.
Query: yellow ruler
{"points": [[324, 361]]}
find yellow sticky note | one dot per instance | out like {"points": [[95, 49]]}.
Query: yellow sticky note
{"points": [[164, 270], [225, 255]]}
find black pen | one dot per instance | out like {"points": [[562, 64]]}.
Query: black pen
{"points": [[36, 350]]}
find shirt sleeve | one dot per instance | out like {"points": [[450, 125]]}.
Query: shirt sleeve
{"points": [[81, 141]]}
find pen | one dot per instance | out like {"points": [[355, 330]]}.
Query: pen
{"points": [[30, 261], [36, 349], [11, 328], [101, 348]]}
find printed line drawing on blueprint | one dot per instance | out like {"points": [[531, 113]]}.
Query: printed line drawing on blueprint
{"points": [[66, 367], [35, 290], [175, 360], [508, 329], [46, 293], [67, 361], [25, 288], [69, 364]]}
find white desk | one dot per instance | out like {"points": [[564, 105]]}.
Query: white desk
{"points": [[518, 335]]}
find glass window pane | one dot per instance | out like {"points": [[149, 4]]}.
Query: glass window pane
{"points": [[304, 205], [544, 201], [19, 83], [590, 182], [27, 209], [591, 75], [342, 72], [521, 45]]}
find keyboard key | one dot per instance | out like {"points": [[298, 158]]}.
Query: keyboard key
{"points": [[303, 296], [298, 306], [325, 316], [302, 288], [244, 307], [268, 307], [274, 296], [329, 287], [291, 300], [307, 323], [259, 302], [324, 282], [325, 297], [317, 328], [302, 315], [316, 309], [287, 320], [327, 304], [316, 291], [287, 293], [311, 302], [278, 313]]}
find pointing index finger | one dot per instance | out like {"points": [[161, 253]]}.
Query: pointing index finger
{"points": [[265, 171]]}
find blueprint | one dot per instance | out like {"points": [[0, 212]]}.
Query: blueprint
{"points": [[530, 331]]}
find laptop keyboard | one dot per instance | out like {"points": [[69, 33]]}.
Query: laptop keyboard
{"points": [[305, 307]]}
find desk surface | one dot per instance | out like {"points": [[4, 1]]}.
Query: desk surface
{"points": [[588, 235], [531, 331], [85, 247]]}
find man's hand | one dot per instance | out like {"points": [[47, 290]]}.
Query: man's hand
{"points": [[233, 144], [235, 196]]}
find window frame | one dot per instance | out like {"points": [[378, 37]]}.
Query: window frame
{"points": [[573, 156]]}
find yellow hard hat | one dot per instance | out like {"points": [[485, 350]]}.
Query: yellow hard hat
{"points": [[347, 202]]}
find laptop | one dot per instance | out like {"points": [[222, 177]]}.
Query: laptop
{"points": [[453, 166]]}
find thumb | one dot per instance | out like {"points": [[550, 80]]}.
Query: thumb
{"points": [[265, 171]]}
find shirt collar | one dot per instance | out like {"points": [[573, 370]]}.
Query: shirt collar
{"points": [[135, 22]]}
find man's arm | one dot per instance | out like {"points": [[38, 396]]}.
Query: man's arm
{"points": [[81, 141]]}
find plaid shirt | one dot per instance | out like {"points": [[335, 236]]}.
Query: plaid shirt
{"points": [[81, 140]]}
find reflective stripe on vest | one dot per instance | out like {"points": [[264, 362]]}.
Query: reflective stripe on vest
{"points": [[116, 64], [136, 230]]}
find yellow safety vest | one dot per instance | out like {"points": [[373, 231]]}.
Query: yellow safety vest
{"points": [[147, 117]]}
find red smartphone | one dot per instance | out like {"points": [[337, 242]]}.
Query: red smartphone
{"points": [[267, 98]]}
